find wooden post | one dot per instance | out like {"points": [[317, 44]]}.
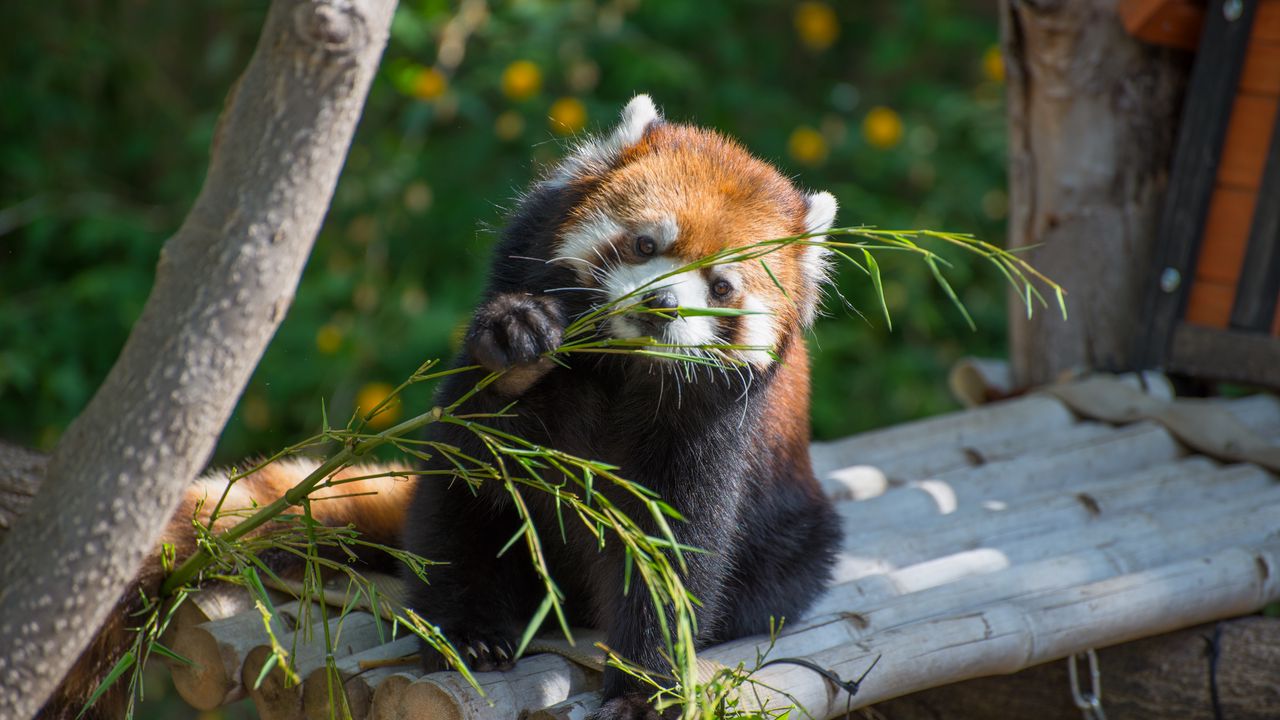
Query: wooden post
{"points": [[1092, 115]]}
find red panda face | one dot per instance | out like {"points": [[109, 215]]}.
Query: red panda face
{"points": [[659, 196]]}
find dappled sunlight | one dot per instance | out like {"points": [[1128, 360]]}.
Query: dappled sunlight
{"points": [[859, 482], [940, 492]]}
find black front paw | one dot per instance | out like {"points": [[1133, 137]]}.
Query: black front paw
{"points": [[631, 706], [482, 652], [514, 329]]}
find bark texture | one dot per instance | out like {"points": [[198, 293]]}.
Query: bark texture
{"points": [[1092, 116], [1178, 675], [223, 284]]}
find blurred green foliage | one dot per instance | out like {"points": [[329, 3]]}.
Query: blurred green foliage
{"points": [[107, 109]]}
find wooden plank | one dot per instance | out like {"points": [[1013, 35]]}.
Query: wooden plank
{"points": [[1210, 304], [1226, 235], [1244, 151], [1169, 23], [1195, 163], [1254, 308], [1261, 73], [1225, 355]]}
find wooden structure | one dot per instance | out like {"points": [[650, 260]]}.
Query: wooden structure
{"points": [[980, 543], [1215, 284]]}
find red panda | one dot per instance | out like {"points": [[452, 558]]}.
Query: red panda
{"points": [[728, 449]]}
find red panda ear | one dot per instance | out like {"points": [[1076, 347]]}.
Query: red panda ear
{"points": [[820, 215], [594, 156], [637, 116]]}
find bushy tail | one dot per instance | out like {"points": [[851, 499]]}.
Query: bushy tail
{"points": [[375, 506]]}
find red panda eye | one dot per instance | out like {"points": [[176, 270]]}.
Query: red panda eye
{"points": [[721, 288], [646, 246]]}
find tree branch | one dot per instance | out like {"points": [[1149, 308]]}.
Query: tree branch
{"points": [[223, 284]]}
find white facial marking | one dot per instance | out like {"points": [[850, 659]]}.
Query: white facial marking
{"points": [[595, 155], [587, 245], [758, 330], [690, 290]]}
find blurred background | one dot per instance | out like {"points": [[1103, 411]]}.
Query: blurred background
{"points": [[107, 109]]}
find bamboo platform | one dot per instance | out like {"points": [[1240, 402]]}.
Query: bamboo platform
{"points": [[979, 543]]}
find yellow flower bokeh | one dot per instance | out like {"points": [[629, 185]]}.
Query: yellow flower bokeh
{"points": [[328, 339], [993, 64], [816, 24], [370, 396], [429, 84], [521, 80], [509, 125], [568, 115], [882, 127], [807, 146]]}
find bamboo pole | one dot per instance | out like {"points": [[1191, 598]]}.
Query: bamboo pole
{"points": [[1012, 635], [388, 697], [578, 707], [1024, 519], [950, 433], [274, 696], [358, 679], [535, 682], [872, 478], [846, 617], [1124, 450], [217, 650]]}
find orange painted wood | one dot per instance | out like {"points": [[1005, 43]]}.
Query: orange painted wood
{"points": [[1261, 72], [1244, 151], [1226, 235], [1170, 23], [1210, 304], [1266, 23]]}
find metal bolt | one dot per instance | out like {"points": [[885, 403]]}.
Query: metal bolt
{"points": [[1170, 279], [1233, 9]]}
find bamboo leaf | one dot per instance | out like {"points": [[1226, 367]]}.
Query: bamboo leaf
{"points": [[122, 666], [536, 622]]}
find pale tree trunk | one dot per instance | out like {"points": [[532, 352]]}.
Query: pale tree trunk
{"points": [[1092, 115], [223, 284]]}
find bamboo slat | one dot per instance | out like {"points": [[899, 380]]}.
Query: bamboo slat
{"points": [[274, 696], [1124, 450], [536, 682], [217, 650], [360, 674], [1010, 636]]}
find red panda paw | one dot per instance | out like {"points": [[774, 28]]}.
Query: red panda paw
{"points": [[482, 652], [515, 329], [627, 707]]}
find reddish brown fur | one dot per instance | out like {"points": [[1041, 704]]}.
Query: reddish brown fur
{"points": [[378, 515], [720, 197]]}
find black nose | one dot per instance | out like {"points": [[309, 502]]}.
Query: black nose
{"points": [[664, 300]]}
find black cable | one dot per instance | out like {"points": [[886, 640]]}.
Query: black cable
{"points": [[1215, 652], [849, 686]]}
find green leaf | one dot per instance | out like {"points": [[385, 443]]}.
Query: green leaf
{"points": [[535, 623], [122, 666], [163, 651], [874, 267]]}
